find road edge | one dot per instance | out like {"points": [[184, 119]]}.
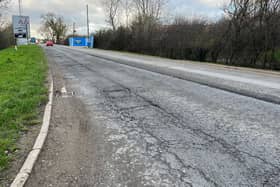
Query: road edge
{"points": [[31, 159], [182, 61], [181, 75]]}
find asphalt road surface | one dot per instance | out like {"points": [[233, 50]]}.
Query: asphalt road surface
{"points": [[118, 125]]}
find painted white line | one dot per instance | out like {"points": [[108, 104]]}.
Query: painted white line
{"points": [[63, 90], [32, 157], [64, 93]]}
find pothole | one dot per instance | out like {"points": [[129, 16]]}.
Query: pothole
{"points": [[117, 93]]}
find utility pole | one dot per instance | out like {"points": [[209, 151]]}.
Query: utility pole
{"points": [[74, 29], [19, 7], [87, 24]]}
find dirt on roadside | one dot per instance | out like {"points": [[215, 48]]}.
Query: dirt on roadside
{"points": [[24, 145], [69, 153]]}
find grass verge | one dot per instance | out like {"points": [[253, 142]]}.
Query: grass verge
{"points": [[22, 92]]}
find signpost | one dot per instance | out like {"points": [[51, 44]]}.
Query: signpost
{"points": [[21, 28]]}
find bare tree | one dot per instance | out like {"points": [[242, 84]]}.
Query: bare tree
{"points": [[150, 8], [253, 32], [112, 8], [127, 5], [268, 19], [46, 33], [3, 7], [6, 30], [53, 26], [147, 20]]}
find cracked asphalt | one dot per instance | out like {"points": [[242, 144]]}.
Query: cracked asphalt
{"points": [[125, 126]]}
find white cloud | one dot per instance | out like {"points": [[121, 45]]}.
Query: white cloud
{"points": [[214, 3]]}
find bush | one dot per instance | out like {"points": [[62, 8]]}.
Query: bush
{"points": [[6, 37]]}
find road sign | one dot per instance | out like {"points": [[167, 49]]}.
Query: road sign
{"points": [[21, 28], [22, 41], [82, 41]]}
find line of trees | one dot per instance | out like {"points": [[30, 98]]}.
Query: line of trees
{"points": [[247, 35], [6, 33]]}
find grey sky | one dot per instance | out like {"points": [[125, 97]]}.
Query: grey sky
{"points": [[74, 11]]}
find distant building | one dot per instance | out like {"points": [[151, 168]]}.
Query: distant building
{"points": [[82, 41]]}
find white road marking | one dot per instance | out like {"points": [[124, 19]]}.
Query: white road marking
{"points": [[64, 92]]}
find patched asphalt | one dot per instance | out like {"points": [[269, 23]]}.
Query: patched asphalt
{"points": [[141, 128]]}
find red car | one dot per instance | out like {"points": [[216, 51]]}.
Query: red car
{"points": [[49, 43]]}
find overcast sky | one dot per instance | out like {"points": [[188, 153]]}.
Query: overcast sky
{"points": [[75, 11]]}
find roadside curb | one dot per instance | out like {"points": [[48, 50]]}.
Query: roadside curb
{"points": [[33, 155]]}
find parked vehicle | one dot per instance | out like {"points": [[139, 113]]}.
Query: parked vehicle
{"points": [[49, 43], [33, 40]]}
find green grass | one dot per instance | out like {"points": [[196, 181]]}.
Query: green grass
{"points": [[22, 92]]}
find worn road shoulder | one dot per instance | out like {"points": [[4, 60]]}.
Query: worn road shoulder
{"points": [[31, 159], [67, 157]]}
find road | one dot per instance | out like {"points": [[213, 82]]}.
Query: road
{"points": [[120, 125]]}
